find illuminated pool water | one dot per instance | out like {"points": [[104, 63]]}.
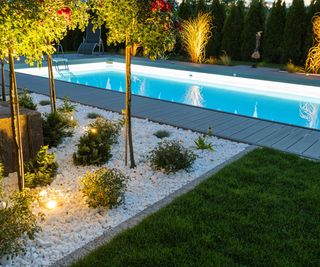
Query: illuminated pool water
{"points": [[281, 102]]}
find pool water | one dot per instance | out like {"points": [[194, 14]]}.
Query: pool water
{"points": [[196, 93]]}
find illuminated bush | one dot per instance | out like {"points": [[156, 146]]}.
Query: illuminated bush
{"points": [[16, 220], [56, 126], [313, 59], [25, 100], [103, 188], [41, 170], [195, 36], [94, 147]]}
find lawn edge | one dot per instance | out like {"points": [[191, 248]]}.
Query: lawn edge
{"points": [[109, 234]]}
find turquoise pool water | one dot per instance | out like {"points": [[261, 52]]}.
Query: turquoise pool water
{"points": [[289, 111]]}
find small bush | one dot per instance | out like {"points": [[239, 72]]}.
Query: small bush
{"points": [[67, 110], [225, 59], [93, 115], [212, 61], [162, 134], [41, 170], [67, 107], [94, 147], [103, 188], [290, 67], [44, 102], [171, 156], [56, 126], [16, 220], [202, 143], [25, 100]]}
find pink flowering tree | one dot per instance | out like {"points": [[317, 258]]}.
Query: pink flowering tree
{"points": [[147, 23]]}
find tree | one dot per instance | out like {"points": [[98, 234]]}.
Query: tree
{"points": [[3, 81], [149, 24], [294, 33], [16, 21], [59, 16], [232, 31], [253, 23], [184, 11], [218, 13], [201, 7], [274, 31]]}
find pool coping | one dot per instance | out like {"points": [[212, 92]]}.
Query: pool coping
{"points": [[108, 235]]}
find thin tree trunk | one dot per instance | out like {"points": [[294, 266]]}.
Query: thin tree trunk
{"points": [[128, 104], [15, 120], [53, 98], [3, 82]]}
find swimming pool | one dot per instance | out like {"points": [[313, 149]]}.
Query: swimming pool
{"points": [[275, 101]]}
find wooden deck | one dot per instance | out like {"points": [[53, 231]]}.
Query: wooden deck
{"points": [[301, 141]]}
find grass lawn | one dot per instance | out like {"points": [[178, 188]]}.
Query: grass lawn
{"points": [[263, 210]]}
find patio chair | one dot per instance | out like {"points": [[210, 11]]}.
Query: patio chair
{"points": [[91, 41]]}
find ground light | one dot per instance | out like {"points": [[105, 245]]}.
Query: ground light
{"points": [[49, 200]]}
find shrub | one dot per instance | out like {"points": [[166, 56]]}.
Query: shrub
{"points": [[56, 127], [202, 143], [195, 36], [162, 134], [67, 107], [225, 59], [211, 60], [16, 220], [95, 145], [93, 115], [290, 67], [103, 188], [171, 156], [44, 102], [25, 100], [67, 110], [41, 170]]}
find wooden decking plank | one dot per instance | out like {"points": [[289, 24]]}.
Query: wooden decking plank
{"points": [[305, 143], [313, 151], [262, 134], [239, 128], [296, 135], [230, 123], [275, 136], [259, 126]]}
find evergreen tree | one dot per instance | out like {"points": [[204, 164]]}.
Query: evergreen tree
{"points": [[201, 7], [218, 13], [294, 34], [185, 11], [313, 8], [253, 23], [274, 31], [232, 30]]}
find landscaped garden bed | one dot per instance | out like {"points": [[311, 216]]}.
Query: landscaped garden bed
{"points": [[70, 223]]}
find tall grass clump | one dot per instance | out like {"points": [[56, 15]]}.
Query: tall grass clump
{"points": [[313, 58], [195, 36]]}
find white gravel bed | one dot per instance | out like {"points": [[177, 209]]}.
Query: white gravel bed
{"points": [[73, 224]]}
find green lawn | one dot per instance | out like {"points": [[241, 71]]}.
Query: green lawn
{"points": [[263, 210]]}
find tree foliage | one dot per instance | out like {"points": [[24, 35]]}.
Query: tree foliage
{"points": [[253, 23], [218, 14], [232, 30], [185, 10], [294, 33], [274, 31], [139, 22]]}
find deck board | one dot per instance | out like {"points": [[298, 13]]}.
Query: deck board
{"points": [[301, 141]]}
